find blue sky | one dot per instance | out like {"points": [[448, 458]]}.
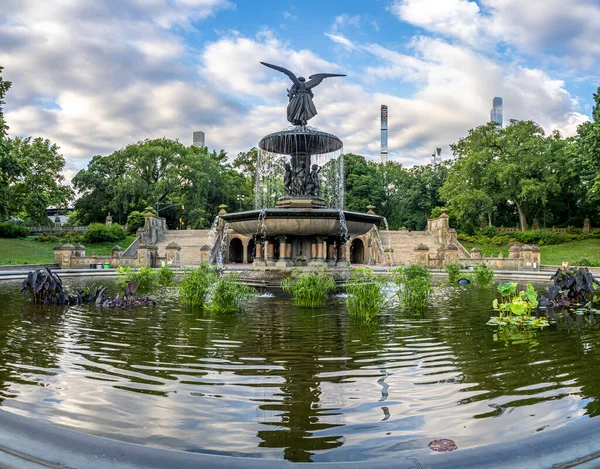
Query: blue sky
{"points": [[95, 76]]}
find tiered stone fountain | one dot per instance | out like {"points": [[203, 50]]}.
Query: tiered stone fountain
{"points": [[303, 230]]}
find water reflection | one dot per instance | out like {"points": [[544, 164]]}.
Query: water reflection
{"points": [[290, 383]]}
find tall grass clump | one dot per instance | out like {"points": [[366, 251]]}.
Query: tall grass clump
{"points": [[165, 276], [365, 293], [453, 271], [196, 284], [483, 275], [414, 285], [228, 295], [146, 277], [309, 289]]}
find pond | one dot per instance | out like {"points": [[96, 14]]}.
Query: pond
{"points": [[284, 382]]}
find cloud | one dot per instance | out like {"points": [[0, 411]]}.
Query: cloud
{"points": [[95, 76], [289, 16], [554, 27]]}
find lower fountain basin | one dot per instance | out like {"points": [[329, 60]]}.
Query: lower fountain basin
{"points": [[300, 222]]}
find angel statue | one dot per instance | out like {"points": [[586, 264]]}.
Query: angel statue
{"points": [[301, 107]]}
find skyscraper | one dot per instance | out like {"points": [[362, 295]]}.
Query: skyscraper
{"points": [[496, 113], [199, 139], [436, 157], [384, 133]]}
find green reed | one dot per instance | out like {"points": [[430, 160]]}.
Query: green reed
{"points": [[483, 275], [365, 293], [228, 295], [196, 284], [309, 289], [414, 285]]}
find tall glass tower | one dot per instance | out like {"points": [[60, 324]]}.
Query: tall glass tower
{"points": [[496, 113], [198, 139], [384, 133]]}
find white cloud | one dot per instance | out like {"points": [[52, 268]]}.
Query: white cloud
{"points": [[554, 27], [96, 76]]}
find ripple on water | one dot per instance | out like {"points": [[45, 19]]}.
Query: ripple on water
{"points": [[287, 382]]}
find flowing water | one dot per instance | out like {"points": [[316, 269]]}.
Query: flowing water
{"points": [[270, 171], [284, 382]]}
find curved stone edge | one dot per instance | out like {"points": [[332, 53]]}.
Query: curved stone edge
{"points": [[27, 443]]}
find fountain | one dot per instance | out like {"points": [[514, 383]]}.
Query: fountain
{"points": [[300, 172]]}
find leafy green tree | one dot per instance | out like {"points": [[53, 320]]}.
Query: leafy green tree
{"points": [[41, 182], [494, 166], [363, 183], [588, 158], [10, 167], [411, 194]]}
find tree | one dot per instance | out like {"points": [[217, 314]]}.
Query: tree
{"points": [[41, 182], [472, 185], [363, 183], [494, 166], [10, 167], [587, 142]]}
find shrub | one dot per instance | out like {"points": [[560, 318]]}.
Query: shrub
{"points": [[309, 288], [453, 271], [46, 238], [365, 295], [228, 295], [586, 263], [99, 233], [490, 231], [483, 275], [135, 220], [12, 230], [196, 283]]}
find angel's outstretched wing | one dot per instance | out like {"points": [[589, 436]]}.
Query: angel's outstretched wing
{"points": [[283, 70], [315, 80]]}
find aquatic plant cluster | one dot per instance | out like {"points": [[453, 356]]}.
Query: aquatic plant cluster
{"points": [[146, 277], [45, 287], [219, 293], [482, 275], [309, 289], [365, 293]]}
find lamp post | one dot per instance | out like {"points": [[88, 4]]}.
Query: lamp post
{"points": [[240, 198]]}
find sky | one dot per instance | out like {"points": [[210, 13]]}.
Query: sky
{"points": [[94, 76]]}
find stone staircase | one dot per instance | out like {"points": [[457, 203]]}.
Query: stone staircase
{"points": [[404, 244], [190, 242]]}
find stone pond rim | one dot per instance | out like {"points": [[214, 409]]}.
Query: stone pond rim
{"points": [[298, 140], [300, 222]]}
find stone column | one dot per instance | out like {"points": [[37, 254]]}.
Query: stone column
{"points": [[245, 251], [343, 253], [258, 258], [271, 252], [285, 252], [587, 227], [313, 249]]}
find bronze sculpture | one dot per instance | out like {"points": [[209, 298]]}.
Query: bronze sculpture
{"points": [[301, 107]]}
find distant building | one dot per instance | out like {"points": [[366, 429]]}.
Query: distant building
{"points": [[384, 134], [496, 113], [199, 139], [436, 157]]}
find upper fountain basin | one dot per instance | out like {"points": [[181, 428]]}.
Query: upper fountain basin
{"points": [[300, 222], [297, 140]]}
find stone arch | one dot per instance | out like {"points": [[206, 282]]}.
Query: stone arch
{"points": [[357, 251], [236, 251]]}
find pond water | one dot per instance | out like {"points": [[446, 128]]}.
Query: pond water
{"points": [[283, 382]]}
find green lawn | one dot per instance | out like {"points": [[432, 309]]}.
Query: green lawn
{"points": [[30, 251], [558, 253]]}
